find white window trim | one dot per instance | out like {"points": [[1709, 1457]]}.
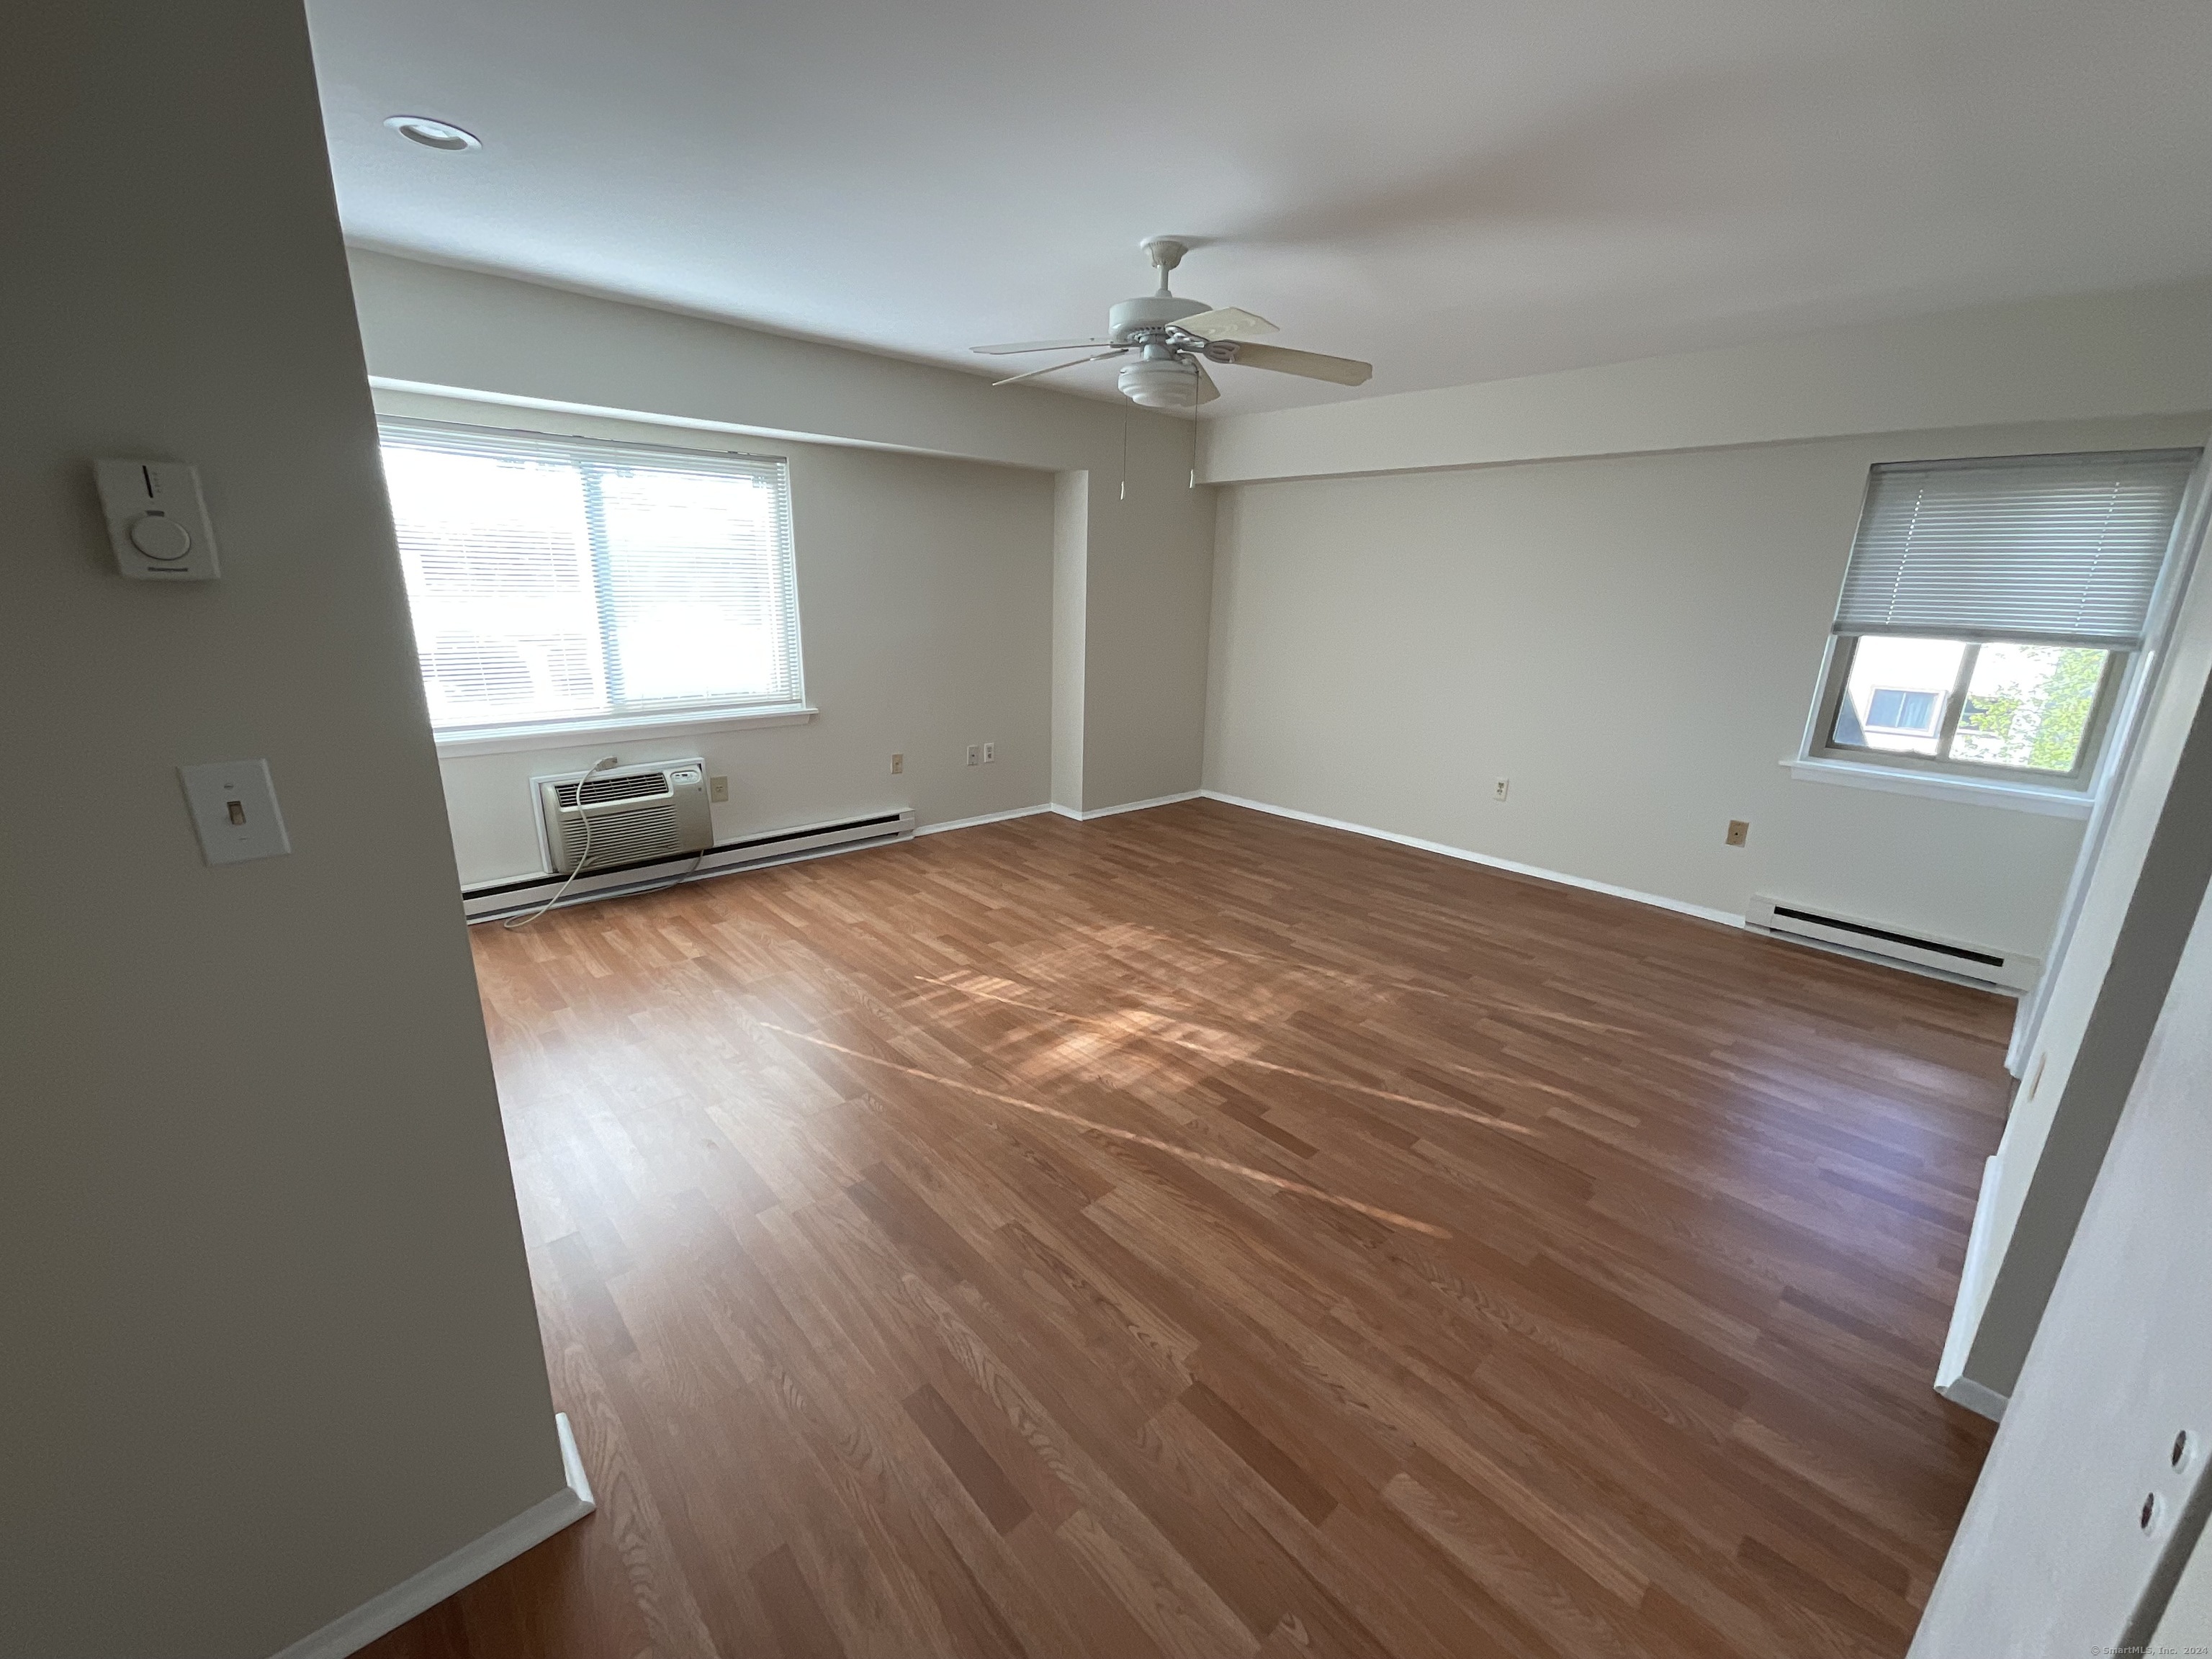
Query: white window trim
{"points": [[1810, 765], [1943, 786], [572, 734], [524, 736], [1817, 762]]}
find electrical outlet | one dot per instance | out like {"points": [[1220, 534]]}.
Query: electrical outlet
{"points": [[898, 765], [990, 753], [1501, 786], [1739, 831], [975, 754], [718, 789]]}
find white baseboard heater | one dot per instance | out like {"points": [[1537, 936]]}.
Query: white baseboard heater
{"points": [[1951, 957], [497, 899]]}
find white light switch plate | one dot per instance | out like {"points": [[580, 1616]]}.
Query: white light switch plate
{"points": [[156, 520], [234, 809]]}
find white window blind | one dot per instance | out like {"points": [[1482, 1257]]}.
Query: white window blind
{"points": [[557, 579], [2064, 548]]}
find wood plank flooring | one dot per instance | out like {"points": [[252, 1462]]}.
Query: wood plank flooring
{"points": [[1194, 1234]]}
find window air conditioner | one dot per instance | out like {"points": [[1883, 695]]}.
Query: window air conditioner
{"points": [[637, 813]]}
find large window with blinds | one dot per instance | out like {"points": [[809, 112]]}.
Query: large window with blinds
{"points": [[559, 581], [1993, 610]]}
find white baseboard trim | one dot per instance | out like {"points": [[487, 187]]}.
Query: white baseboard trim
{"points": [[1965, 1391], [988, 818], [352, 1631], [1726, 918], [1126, 806], [1974, 1277]]}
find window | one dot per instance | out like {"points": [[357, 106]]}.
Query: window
{"points": [[557, 579], [1893, 708], [1993, 610]]}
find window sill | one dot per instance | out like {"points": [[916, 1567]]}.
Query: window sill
{"points": [[576, 734], [1896, 781]]}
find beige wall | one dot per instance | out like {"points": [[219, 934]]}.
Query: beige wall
{"points": [[1071, 514], [268, 1343], [1634, 642], [1131, 555], [2137, 351], [1145, 631], [925, 590]]}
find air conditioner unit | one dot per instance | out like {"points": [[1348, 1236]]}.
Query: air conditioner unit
{"points": [[637, 814], [1862, 936]]}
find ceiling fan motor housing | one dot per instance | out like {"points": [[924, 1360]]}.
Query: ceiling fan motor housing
{"points": [[1150, 311]]}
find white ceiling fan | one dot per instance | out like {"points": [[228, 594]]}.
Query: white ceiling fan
{"points": [[1175, 339]]}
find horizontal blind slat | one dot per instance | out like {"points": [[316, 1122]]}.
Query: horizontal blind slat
{"points": [[2065, 548], [677, 571]]}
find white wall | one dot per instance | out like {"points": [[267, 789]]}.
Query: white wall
{"points": [[925, 590], [2141, 351], [1634, 641], [270, 1346], [2052, 1556], [2140, 797], [2082, 1047], [1137, 701]]}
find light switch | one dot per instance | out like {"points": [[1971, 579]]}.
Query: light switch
{"points": [[234, 809], [156, 520]]}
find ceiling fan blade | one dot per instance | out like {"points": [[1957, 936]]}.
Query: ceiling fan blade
{"points": [[1227, 323], [1313, 365], [1208, 391], [1054, 368], [1037, 345]]}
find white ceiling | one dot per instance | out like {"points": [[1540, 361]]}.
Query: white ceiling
{"points": [[1456, 189]]}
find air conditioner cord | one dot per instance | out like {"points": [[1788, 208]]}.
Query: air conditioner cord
{"points": [[583, 858]]}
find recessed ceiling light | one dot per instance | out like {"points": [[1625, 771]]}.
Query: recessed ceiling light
{"points": [[434, 134]]}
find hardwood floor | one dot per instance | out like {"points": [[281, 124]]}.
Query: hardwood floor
{"points": [[1191, 1233]]}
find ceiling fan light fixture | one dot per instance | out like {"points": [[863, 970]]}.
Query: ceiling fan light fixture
{"points": [[1160, 383]]}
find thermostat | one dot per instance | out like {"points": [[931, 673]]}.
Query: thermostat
{"points": [[157, 520]]}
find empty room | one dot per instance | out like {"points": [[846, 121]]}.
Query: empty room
{"points": [[863, 831]]}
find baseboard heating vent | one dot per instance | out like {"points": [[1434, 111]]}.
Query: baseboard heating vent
{"points": [[656, 869], [1955, 958]]}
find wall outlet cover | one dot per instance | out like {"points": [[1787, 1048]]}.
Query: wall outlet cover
{"points": [[233, 805], [718, 788], [1739, 831]]}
